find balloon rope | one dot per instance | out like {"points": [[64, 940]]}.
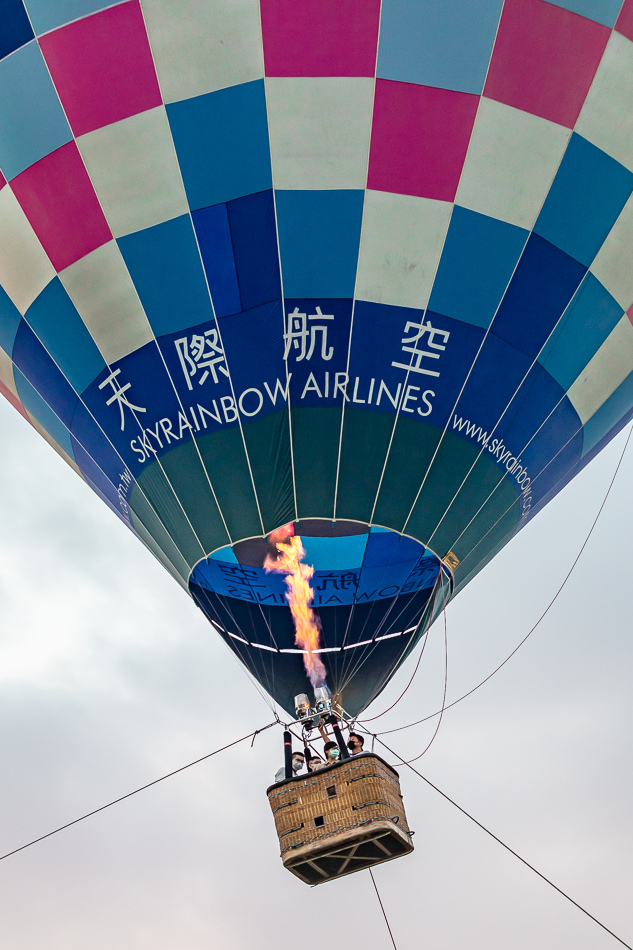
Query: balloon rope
{"points": [[504, 845], [440, 712], [384, 914], [122, 798]]}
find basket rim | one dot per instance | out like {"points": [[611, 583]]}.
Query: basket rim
{"points": [[332, 768]]}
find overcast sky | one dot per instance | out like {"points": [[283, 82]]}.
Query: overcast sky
{"points": [[109, 677]]}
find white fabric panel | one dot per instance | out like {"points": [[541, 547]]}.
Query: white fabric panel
{"points": [[605, 371], [25, 269], [6, 374], [101, 289], [319, 131], [607, 117], [51, 441], [613, 262], [203, 45], [511, 162], [400, 246], [135, 172]]}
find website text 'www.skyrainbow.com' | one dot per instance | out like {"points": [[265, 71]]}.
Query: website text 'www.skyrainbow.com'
{"points": [[502, 455]]}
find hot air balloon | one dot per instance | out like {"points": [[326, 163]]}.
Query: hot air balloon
{"points": [[358, 271]]}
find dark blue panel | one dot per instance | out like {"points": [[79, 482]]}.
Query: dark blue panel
{"points": [[253, 343], [165, 265], [543, 284], [586, 198], [222, 143], [93, 452], [9, 322], [588, 321], [317, 350], [53, 317], [216, 249], [254, 234], [32, 121], [100, 481], [319, 235], [445, 43], [15, 29], [380, 355], [602, 11], [32, 359], [150, 422], [388, 547], [33, 402], [479, 256]]}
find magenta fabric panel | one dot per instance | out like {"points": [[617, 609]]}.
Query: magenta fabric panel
{"points": [[58, 199], [544, 59], [102, 67], [320, 37], [3, 180], [624, 24], [419, 139]]}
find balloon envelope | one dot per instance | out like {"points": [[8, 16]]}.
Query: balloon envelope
{"points": [[360, 267]]}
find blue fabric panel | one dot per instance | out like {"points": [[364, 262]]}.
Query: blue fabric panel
{"points": [[9, 322], [602, 11], [165, 265], [46, 15], [93, 451], [390, 548], [335, 554], [319, 236], [15, 29], [52, 316], [225, 554], [588, 321], [32, 122], [587, 195], [445, 43], [609, 414], [543, 284], [222, 143], [479, 256], [254, 234], [33, 402], [32, 359], [97, 479], [216, 249]]}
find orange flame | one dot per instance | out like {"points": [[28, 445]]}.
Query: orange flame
{"points": [[288, 561]]}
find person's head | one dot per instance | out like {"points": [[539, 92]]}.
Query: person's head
{"points": [[332, 752], [355, 743], [298, 759], [316, 762]]}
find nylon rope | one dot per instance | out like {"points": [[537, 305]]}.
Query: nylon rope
{"points": [[95, 811], [528, 634], [384, 913], [504, 845]]}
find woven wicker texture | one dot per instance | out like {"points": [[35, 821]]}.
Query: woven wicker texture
{"points": [[339, 804]]}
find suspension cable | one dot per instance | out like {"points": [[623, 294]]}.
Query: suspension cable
{"points": [[441, 711], [503, 844], [142, 788], [384, 914]]}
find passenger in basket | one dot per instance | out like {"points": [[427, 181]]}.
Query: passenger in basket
{"points": [[355, 743], [316, 762], [332, 753], [298, 759]]}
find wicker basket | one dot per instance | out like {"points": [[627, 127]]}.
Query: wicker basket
{"points": [[340, 819]]}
